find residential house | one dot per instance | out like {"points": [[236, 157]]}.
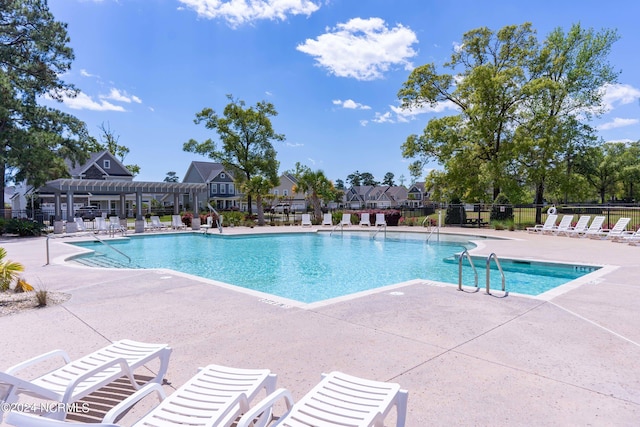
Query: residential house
{"points": [[283, 194], [417, 195], [222, 192], [375, 197]]}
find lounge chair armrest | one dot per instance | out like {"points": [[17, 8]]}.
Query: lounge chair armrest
{"points": [[116, 411], [54, 353], [124, 369], [264, 405], [14, 383]]}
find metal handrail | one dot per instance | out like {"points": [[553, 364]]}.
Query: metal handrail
{"points": [[384, 226], [336, 227], [475, 272], [495, 258], [111, 247]]}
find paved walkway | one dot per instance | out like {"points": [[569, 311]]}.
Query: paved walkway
{"points": [[466, 358]]}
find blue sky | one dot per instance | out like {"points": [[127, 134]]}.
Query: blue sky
{"points": [[332, 69]]}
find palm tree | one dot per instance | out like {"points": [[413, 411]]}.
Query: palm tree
{"points": [[316, 185], [9, 271], [259, 187]]}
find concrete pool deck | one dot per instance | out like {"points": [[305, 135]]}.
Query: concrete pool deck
{"points": [[465, 358]]}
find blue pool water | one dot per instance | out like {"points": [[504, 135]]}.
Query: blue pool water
{"points": [[311, 267]]}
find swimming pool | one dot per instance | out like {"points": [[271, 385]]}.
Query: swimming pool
{"points": [[311, 267]]}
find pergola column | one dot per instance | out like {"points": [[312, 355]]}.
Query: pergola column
{"points": [[195, 222], [58, 225], [139, 218]]}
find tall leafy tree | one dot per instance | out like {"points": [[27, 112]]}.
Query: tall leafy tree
{"points": [[34, 54], [484, 85], [354, 179], [565, 91], [600, 166], [315, 185], [368, 179], [246, 135], [388, 179]]}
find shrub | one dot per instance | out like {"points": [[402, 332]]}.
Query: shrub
{"points": [[23, 227], [187, 218], [42, 296]]}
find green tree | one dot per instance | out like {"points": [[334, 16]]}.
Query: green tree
{"points": [[259, 187], [563, 94], [354, 179], [368, 179], [415, 171], [388, 179], [600, 167], [630, 171], [171, 177], [110, 143], [315, 185], [339, 184], [487, 75], [34, 54], [246, 135]]}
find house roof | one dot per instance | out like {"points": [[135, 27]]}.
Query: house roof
{"points": [[119, 170], [100, 186]]}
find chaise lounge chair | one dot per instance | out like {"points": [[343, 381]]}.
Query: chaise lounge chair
{"points": [[364, 219], [564, 225], [327, 219], [548, 225], [380, 221], [79, 378], [618, 229], [306, 220], [215, 396], [346, 219], [594, 228], [581, 226], [102, 226], [156, 224], [176, 223], [338, 400], [80, 225]]}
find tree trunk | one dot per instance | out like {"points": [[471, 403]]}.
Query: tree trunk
{"points": [[539, 201], [260, 210]]}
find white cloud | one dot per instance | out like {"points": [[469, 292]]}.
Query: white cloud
{"points": [[85, 73], [351, 104], [383, 118], [237, 12], [617, 123], [363, 49], [121, 96], [619, 94], [294, 145], [84, 102]]}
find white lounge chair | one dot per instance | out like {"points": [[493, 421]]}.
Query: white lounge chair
{"points": [[115, 225], [215, 396], [548, 225], [176, 223], [338, 400], [80, 225], [618, 229], [79, 378], [380, 221], [631, 237], [346, 219], [594, 228], [156, 224], [327, 219], [564, 225], [306, 220], [581, 226], [364, 219], [102, 225]]}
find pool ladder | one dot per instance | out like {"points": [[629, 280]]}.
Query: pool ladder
{"points": [[494, 257]]}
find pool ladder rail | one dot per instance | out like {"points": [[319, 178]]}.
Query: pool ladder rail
{"points": [[492, 256]]}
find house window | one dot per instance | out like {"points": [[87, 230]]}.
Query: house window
{"points": [[214, 188], [275, 192], [285, 192], [222, 188], [231, 189], [106, 164], [222, 175]]}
